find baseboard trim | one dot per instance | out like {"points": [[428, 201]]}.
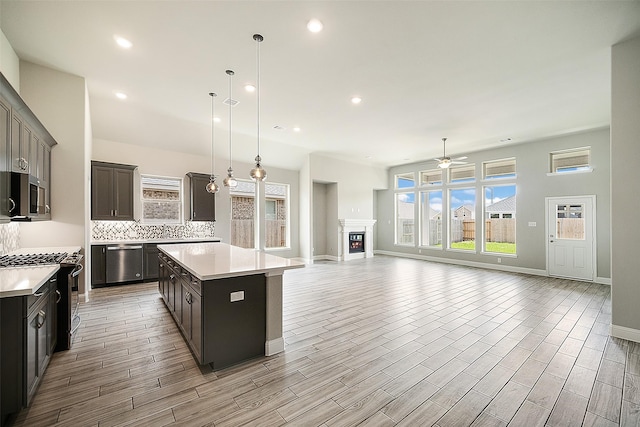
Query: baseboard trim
{"points": [[623, 332], [511, 269], [326, 258], [272, 347], [603, 280]]}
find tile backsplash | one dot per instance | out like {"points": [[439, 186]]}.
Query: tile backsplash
{"points": [[9, 237], [134, 230]]}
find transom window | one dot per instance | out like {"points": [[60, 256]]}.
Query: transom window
{"points": [[405, 180], [571, 160], [431, 177], [464, 173], [496, 169]]}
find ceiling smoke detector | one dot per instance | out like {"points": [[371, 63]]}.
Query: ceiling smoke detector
{"points": [[278, 127]]}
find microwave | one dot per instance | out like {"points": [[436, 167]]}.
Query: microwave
{"points": [[27, 197]]}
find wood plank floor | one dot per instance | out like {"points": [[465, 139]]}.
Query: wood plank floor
{"points": [[381, 341]]}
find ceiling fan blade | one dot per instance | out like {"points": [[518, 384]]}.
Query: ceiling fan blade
{"points": [[461, 158], [457, 162]]}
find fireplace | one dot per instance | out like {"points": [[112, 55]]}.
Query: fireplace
{"points": [[356, 242], [356, 237]]}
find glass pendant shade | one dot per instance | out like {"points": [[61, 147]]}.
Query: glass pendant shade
{"points": [[212, 187], [230, 181], [258, 173]]}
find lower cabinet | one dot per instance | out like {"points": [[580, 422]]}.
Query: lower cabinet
{"points": [[98, 264], [150, 262], [29, 331], [221, 327]]}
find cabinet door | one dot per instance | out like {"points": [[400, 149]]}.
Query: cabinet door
{"points": [[5, 155], [150, 261], [203, 204], [196, 324], [171, 290], [186, 310], [162, 274], [101, 192], [19, 162], [34, 146], [37, 355], [54, 298], [123, 195], [98, 265]]}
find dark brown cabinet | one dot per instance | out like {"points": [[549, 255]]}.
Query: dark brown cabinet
{"points": [[219, 328], [29, 331], [98, 264], [202, 204], [150, 267], [112, 191], [5, 154]]}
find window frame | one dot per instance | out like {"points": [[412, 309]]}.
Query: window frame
{"points": [[486, 218], [287, 205], [512, 175], [422, 218], [179, 186], [461, 181], [451, 218], [568, 170], [396, 219]]}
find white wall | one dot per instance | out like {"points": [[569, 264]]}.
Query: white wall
{"points": [[59, 100], [9, 62], [625, 176], [153, 161]]}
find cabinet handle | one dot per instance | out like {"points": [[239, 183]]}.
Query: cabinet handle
{"points": [[38, 294], [43, 315], [172, 277], [161, 265], [47, 209], [13, 205], [59, 296]]}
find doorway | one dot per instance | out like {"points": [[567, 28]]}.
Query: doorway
{"points": [[570, 226]]}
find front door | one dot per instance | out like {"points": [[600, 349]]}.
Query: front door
{"points": [[571, 237]]}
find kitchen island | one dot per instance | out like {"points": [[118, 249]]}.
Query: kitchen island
{"points": [[226, 300]]}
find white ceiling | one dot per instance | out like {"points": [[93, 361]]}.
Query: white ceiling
{"points": [[475, 72]]}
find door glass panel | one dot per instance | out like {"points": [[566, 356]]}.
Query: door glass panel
{"points": [[570, 222]]}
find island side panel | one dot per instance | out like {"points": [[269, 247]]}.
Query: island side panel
{"points": [[275, 342]]}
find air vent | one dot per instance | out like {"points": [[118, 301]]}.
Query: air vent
{"points": [[278, 127], [231, 102]]}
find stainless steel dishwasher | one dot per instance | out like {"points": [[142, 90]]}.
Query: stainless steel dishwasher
{"points": [[124, 263]]}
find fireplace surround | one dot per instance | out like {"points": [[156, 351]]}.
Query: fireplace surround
{"points": [[351, 227]]}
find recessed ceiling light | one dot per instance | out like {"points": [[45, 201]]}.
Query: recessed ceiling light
{"points": [[122, 42], [121, 95], [314, 25], [249, 88], [216, 119], [356, 100], [296, 129]]}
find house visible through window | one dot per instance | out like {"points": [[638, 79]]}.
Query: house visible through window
{"points": [[161, 199], [500, 219]]}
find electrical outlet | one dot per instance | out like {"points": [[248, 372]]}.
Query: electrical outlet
{"points": [[499, 260], [237, 296]]}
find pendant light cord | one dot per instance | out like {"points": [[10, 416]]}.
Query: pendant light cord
{"points": [[230, 73], [259, 39], [213, 135]]}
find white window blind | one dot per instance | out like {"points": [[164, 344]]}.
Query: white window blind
{"points": [[431, 177], [564, 161], [462, 173], [499, 169]]}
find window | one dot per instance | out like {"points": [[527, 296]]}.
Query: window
{"points": [[465, 173], [405, 218], [431, 177], [405, 180], [499, 169], [570, 160], [500, 219], [570, 222], [276, 215], [161, 199], [462, 223], [431, 218], [242, 221]]}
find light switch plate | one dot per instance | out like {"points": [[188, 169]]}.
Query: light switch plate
{"points": [[532, 224], [237, 296]]}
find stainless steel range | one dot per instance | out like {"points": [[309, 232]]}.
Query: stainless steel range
{"points": [[70, 268]]}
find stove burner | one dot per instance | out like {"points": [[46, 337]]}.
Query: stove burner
{"points": [[31, 259]]}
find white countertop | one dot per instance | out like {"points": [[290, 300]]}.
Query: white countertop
{"points": [[21, 281], [209, 261], [158, 241], [25, 280]]}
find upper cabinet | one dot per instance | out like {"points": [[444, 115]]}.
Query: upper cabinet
{"points": [[202, 204], [25, 149], [112, 191]]}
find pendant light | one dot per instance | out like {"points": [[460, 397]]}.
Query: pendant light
{"points": [[230, 181], [258, 173], [212, 187]]}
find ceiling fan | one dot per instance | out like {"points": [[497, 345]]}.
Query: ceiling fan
{"points": [[444, 162]]}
